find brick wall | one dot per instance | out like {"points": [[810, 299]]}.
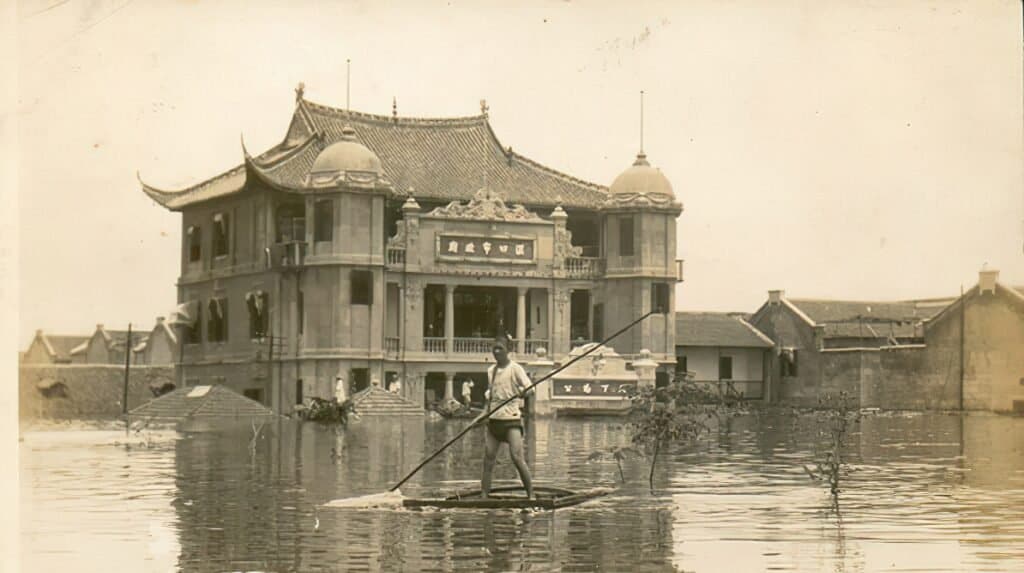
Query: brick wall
{"points": [[93, 390]]}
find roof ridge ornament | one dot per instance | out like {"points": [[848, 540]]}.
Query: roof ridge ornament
{"points": [[300, 90], [486, 205]]}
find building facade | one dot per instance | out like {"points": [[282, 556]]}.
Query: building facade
{"points": [[365, 249], [725, 351], [937, 354]]}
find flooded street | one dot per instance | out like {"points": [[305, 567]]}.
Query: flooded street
{"points": [[925, 492]]}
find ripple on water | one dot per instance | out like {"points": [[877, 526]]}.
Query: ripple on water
{"points": [[927, 492]]}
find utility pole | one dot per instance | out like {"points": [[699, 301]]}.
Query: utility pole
{"points": [[127, 370]]}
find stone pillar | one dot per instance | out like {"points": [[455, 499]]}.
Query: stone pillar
{"points": [[521, 320], [411, 216], [449, 318], [645, 369], [559, 218], [540, 366], [411, 326], [561, 324], [449, 387]]}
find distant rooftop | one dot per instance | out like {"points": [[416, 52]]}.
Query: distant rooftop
{"points": [[718, 329]]}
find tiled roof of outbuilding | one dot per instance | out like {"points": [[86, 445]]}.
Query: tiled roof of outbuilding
{"points": [[217, 402], [717, 329], [870, 319], [438, 159]]}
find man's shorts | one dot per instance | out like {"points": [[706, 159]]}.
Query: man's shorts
{"points": [[499, 428]]}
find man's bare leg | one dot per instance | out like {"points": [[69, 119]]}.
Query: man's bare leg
{"points": [[515, 449], [490, 454]]}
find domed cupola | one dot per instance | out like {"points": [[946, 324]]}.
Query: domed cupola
{"points": [[641, 179], [345, 160]]}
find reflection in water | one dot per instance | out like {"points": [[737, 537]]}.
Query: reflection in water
{"points": [[927, 492]]}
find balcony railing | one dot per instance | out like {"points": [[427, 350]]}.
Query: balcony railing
{"points": [[744, 389], [396, 256], [392, 344], [472, 345], [465, 345], [584, 267], [533, 345], [286, 255], [434, 345]]}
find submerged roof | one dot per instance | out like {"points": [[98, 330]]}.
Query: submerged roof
{"points": [[202, 402], [718, 329], [440, 159]]}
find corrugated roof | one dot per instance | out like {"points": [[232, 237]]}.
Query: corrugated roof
{"points": [[439, 159], [822, 311], [717, 329], [870, 319], [218, 402]]}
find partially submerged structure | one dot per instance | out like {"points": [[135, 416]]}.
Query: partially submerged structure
{"points": [[724, 350], [371, 247], [202, 403], [958, 353]]}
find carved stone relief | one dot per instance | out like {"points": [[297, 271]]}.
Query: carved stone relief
{"points": [[486, 205]]}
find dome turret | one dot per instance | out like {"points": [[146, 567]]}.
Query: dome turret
{"points": [[346, 155], [641, 178]]}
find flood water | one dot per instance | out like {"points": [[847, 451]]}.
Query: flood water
{"points": [[926, 492]]}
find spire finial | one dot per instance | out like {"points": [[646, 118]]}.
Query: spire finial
{"points": [[641, 122], [299, 91], [483, 110], [394, 108], [348, 85]]}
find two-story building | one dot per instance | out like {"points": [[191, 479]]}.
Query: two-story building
{"points": [[368, 248]]}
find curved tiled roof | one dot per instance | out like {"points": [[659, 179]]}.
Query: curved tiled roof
{"points": [[439, 159]]}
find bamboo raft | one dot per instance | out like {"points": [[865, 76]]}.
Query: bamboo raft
{"points": [[546, 498]]}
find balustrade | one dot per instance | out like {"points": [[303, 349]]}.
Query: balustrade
{"points": [[396, 256], [532, 346], [584, 267], [435, 345]]}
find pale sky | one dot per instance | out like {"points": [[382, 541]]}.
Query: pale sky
{"points": [[868, 150]]}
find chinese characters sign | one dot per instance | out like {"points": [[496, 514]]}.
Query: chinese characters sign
{"points": [[485, 249], [593, 388]]}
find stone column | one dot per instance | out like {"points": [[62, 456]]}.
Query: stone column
{"points": [[521, 320], [645, 369], [449, 318], [449, 386], [540, 366], [411, 217], [411, 326]]}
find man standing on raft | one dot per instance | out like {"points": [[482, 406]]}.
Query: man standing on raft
{"points": [[507, 379]]}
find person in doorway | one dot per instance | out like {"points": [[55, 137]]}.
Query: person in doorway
{"points": [[467, 391], [507, 380]]}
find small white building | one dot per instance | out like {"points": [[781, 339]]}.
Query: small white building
{"points": [[725, 349]]}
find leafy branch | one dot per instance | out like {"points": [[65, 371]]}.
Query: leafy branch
{"points": [[682, 411], [835, 416]]}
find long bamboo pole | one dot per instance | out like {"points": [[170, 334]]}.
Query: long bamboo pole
{"points": [[488, 414]]}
